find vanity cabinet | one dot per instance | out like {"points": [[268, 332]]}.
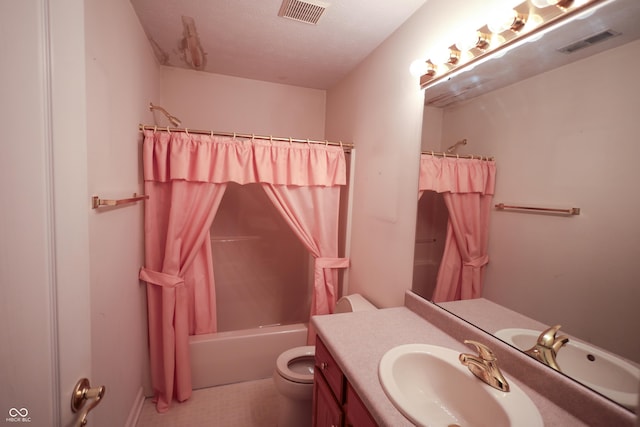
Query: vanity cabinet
{"points": [[335, 402]]}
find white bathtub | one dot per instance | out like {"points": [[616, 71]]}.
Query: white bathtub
{"points": [[244, 355]]}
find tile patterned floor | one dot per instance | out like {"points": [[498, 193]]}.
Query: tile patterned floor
{"points": [[247, 404]]}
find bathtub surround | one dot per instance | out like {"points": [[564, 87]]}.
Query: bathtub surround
{"points": [[261, 267], [185, 178]]}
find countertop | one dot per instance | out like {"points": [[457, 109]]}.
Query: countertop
{"points": [[358, 341]]}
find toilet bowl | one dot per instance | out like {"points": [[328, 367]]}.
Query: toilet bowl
{"points": [[293, 376], [293, 379]]}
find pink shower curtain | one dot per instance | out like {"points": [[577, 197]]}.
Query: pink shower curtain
{"points": [[312, 213], [185, 176], [178, 273], [467, 186]]}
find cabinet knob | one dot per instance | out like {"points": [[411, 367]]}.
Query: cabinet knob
{"points": [[323, 366]]}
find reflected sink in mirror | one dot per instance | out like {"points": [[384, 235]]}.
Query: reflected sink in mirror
{"points": [[604, 372], [430, 387]]}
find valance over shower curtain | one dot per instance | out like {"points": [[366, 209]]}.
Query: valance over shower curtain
{"points": [[467, 186], [185, 177]]}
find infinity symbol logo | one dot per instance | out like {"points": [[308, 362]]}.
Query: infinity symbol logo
{"points": [[22, 412]]}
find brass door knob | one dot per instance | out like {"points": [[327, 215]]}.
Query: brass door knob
{"points": [[83, 392]]}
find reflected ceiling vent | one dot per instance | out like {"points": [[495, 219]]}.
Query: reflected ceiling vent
{"points": [[308, 11], [589, 41]]}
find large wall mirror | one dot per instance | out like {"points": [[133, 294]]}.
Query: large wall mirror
{"points": [[564, 131]]}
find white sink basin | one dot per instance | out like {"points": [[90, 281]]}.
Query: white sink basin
{"points": [[430, 386], [603, 372]]}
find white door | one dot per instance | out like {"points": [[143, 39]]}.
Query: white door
{"points": [[44, 279]]}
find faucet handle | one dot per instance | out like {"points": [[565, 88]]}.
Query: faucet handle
{"points": [[483, 351], [548, 338], [560, 341]]}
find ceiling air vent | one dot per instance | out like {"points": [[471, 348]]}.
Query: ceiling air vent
{"points": [[304, 11], [589, 41]]}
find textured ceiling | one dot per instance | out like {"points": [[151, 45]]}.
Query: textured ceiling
{"points": [[247, 38]]}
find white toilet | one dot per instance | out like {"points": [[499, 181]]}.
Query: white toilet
{"points": [[293, 376]]}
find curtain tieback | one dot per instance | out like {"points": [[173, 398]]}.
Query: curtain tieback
{"points": [[325, 296], [332, 262], [160, 279], [477, 262]]}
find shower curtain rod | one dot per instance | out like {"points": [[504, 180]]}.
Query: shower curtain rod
{"points": [[458, 156], [346, 146]]}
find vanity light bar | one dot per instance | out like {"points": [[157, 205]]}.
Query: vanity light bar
{"points": [[526, 22]]}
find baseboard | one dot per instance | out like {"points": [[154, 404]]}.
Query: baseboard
{"points": [[134, 414]]}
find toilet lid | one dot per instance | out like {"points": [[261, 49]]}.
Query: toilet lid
{"points": [[297, 364]]}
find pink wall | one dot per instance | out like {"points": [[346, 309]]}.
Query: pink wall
{"points": [[231, 104], [379, 107], [122, 78], [565, 138]]}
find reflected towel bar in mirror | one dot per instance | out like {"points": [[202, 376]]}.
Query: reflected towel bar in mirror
{"points": [[568, 211], [97, 202]]}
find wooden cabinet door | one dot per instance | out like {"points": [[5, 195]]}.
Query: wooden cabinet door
{"points": [[356, 413], [330, 370], [327, 412]]}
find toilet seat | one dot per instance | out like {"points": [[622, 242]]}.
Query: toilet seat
{"points": [[297, 364]]}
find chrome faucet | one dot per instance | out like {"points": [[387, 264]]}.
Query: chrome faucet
{"points": [[547, 347], [484, 366]]}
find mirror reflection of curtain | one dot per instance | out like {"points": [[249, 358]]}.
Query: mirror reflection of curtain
{"points": [[467, 186], [185, 177], [431, 229]]}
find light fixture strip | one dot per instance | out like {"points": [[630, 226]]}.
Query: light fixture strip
{"points": [[431, 78]]}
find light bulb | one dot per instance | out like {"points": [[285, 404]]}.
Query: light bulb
{"points": [[418, 67], [468, 41], [466, 57], [440, 56], [502, 20], [497, 40], [534, 20], [541, 4]]}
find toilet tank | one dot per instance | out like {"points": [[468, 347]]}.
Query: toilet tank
{"points": [[354, 302]]}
